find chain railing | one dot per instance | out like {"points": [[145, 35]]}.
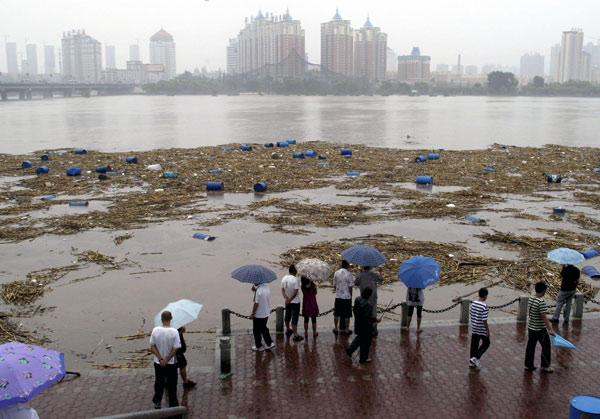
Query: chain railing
{"points": [[443, 310], [503, 305]]}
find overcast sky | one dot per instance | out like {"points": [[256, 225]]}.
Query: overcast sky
{"points": [[480, 30]]}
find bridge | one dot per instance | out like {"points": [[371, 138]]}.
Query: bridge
{"points": [[48, 90]]}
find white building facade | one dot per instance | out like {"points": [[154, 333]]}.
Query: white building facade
{"points": [[81, 57], [162, 51], [370, 53]]}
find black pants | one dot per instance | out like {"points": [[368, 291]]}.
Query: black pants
{"points": [[411, 310], [170, 374], [364, 342], [476, 350], [259, 328], [536, 336]]}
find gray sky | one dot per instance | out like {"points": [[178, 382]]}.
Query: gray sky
{"points": [[480, 30]]}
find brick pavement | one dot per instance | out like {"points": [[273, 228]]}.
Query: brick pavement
{"points": [[424, 376]]}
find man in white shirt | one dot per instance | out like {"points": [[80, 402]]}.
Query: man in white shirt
{"points": [[259, 316], [290, 290], [343, 281], [164, 343]]}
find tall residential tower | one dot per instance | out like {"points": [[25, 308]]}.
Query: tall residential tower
{"points": [[162, 51], [81, 57], [370, 53], [571, 58], [337, 46]]}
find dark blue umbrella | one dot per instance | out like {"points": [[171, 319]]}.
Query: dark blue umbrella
{"points": [[364, 255], [254, 274], [419, 272]]}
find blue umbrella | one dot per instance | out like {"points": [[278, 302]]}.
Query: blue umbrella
{"points": [[254, 274], [363, 255], [562, 342], [565, 256], [183, 311], [419, 272]]}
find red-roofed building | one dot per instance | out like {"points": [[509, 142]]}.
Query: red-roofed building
{"points": [[162, 51]]}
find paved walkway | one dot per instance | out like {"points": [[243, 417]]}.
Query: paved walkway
{"points": [[424, 376]]}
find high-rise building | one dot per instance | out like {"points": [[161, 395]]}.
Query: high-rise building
{"points": [[32, 62], [570, 63], [442, 68], [586, 66], [162, 51], [272, 45], [233, 56], [134, 52], [370, 52], [532, 65], [12, 64], [391, 65], [594, 51], [81, 56], [49, 60], [414, 67], [337, 38], [110, 57], [554, 62]]}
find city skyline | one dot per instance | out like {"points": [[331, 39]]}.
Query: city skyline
{"points": [[204, 29]]}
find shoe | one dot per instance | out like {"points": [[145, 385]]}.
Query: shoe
{"points": [[298, 338], [315, 334], [189, 384], [366, 360], [289, 332], [157, 405], [271, 346], [472, 363], [548, 370], [259, 349], [530, 368], [553, 320]]}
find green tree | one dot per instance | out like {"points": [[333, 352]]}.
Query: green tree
{"points": [[502, 83], [538, 82]]}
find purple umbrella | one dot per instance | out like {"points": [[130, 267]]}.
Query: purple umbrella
{"points": [[25, 370]]}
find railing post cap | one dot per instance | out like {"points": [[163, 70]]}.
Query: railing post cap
{"points": [[224, 338]]}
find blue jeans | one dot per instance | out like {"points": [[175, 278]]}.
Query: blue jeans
{"points": [[564, 297]]}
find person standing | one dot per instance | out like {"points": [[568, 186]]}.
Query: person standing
{"points": [[364, 318], [369, 279], [182, 361], [290, 289], [164, 342], [480, 332], [570, 278], [259, 316], [415, 297], [539, 327], [343, 281], [310, 308]]}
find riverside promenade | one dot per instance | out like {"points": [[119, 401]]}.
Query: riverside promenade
{"points": [[411, 375]]}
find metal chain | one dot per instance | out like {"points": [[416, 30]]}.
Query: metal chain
{"points": [[594, 301], [442, 310], [243, 316], [325, 313], [386, 310], [503, 305]]}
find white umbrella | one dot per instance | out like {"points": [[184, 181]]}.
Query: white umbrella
{"points": [[314, 269], [183, 311]]}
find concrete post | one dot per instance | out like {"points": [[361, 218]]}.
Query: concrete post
{"points": [[225, 351], [578, 312], [523, 307], [465, 304], [226, 321], [404, 314], [279, 319]]}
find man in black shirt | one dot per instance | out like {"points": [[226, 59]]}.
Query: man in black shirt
{"points": [[364, 319], [570, 278]]}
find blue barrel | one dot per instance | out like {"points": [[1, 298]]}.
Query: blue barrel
{"points": [[472, 219], [81, 151], [225, 148], [44, 157], [260, 187], [346, 152], [79, 203], [245, 147], [424, 180], [48, 197], [489, 170], [352, 173], [112, 173], [433, 156], [310, 153], [131, 159], [559, 210], [205, 237], [26, 164], [102, 169], [215, 172], [420, 159], [282, 144], [268, 144], [596, 170], [214, 186], [553, 178], [169, 175], [322, 164], [73, 171], [587, 407], [322, 157], [298, 155], [42, 169], [290, 141]]}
